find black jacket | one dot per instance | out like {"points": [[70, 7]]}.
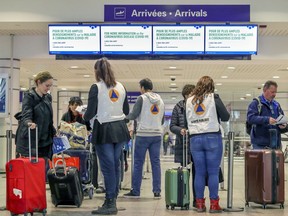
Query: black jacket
{"points": [[70, 118], [178, 122], [38, 110]]}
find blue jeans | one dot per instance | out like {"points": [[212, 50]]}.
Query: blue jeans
{"points": [[109, 158], [207, 151], [142, 144]]}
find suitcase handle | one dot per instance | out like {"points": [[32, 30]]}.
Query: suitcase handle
{"points": [[54, 164], [36, 143], [185, 149]]}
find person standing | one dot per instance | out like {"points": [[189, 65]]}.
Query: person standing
{"points": [[108, 104], [37, 111], [265, 120], [149, 111], [178, 126], [204, 111]]}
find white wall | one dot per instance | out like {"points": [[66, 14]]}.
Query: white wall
{"points": [[93, 10]]}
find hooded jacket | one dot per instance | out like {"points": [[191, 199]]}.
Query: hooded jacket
{"points": [[149, 112]]}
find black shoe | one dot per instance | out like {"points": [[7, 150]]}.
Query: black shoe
{"points": [[157, 196], [131, 195], [108, 208]]}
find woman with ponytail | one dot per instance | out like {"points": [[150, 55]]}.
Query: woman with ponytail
{"points": [[107, 107]]}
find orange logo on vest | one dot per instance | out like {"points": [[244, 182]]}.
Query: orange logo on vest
{"points": [[199, 109], [154, 109], [113, 95]]}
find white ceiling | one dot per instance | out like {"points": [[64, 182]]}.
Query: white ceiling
{"points": [[247, 77]]}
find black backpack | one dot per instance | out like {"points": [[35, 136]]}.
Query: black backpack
{"points": [[249, 126]]}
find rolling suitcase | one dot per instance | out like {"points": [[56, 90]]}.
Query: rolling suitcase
{"points": [[25, 191], [65, 185], [177, 189], [264, 177]]}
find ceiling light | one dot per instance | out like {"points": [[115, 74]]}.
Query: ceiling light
{"points": [[173, 98], [248, 95], [64, 89], [172, 67], [74, 67], [173, 89], [173, 84], [23, 89], [215, 90], [276, 77], [86, 75], [242, 98], [218, 84], [224, 77], [231, 68]]}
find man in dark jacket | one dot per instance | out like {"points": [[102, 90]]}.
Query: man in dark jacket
{"points": [[178, 126], [265, 121]]}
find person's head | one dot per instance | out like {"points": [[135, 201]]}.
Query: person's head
{"points": [[270, 90], [43, 81], [74, 102], [104, 72], [204, 86], [187, 90], [146, 85]]}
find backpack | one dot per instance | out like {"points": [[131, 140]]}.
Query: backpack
{"points": [[249, 126]]}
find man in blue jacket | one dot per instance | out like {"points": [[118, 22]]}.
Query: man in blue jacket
{"points": [[263, 118]]}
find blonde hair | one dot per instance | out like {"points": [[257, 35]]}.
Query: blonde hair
{"points": [[42, 77]]}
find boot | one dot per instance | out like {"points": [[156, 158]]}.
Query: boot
{"points": [[200, 205], [214, 206], [108, 208]]}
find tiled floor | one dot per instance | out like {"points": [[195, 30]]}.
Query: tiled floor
{"points": [[147, 206]]}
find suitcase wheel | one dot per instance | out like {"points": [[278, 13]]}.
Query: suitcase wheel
{"points": [[282, 206], [167, 206], [187, 207], [90, 193], [264, 206], [172, 207]]}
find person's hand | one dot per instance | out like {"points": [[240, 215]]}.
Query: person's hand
{"points": [[32, 125], [183, 131], [282, 126], [272, 121]]}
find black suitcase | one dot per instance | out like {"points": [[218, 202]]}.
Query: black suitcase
{"points": [[66, 188]]}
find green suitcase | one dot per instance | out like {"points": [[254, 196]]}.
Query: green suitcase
{"points": [[177, 190]]}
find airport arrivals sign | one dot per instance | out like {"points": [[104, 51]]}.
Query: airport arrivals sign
{"points": [[177, 13]]}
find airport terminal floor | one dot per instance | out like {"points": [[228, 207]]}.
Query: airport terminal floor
{"points": [[148, 206]]}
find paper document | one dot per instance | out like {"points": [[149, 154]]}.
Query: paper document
{"points": [[281, 119]]}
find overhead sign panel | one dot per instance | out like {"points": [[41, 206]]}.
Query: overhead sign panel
{"points": [[177, 13], [182, 39], [231, 39], [126, 39], [74, 39]]}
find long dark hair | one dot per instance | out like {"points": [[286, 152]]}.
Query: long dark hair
{"points": [[104, 72], [204, 86]]}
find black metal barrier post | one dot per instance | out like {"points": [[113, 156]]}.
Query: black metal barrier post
{"points": [[8, 136], [230, 175]]}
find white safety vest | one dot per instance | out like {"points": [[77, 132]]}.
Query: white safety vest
{"points": [[202, 118], [150, 118], [110, 102]]}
